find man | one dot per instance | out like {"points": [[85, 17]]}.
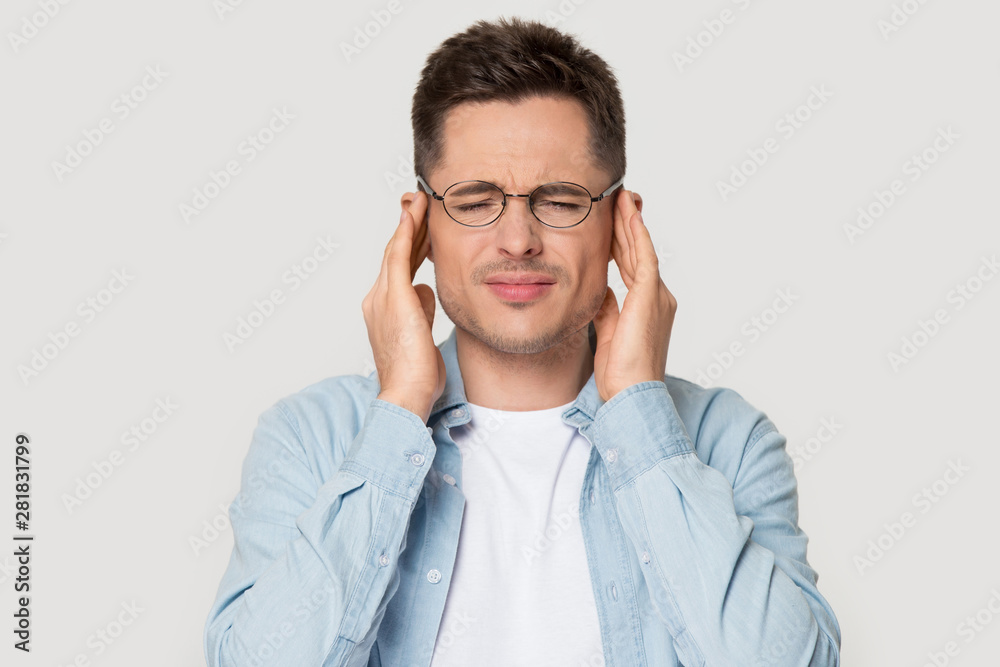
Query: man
{"points": [[535, 490]]}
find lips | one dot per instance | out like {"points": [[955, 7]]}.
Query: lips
{"points": [[520, 279], [520, 292]]}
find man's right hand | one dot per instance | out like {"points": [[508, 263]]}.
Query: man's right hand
{"points": [[399, 316]]}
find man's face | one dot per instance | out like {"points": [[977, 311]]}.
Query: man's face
{"points": [[519, 147]]}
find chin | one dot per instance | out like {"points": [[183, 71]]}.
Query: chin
{"points": [[529, 337]]}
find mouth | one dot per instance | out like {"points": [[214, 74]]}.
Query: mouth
{"points": [[520, 292], [520, 286]]}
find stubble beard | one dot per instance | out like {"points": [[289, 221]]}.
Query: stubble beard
{"points": [[557, 338]]}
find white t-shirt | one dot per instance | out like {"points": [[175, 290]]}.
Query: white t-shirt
{"points": [[521, 592]]}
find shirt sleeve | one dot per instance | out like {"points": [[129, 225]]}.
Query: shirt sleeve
{"points": [[314, 562], [725, 564]]}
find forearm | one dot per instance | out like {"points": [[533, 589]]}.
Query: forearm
{"points": [[313, 567], [724, 597]]}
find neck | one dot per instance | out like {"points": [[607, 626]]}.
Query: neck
{"points": [[518, 382]]}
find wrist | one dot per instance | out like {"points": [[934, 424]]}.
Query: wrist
{"points": [[417, 407]]}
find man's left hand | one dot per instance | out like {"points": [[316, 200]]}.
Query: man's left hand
{"points": [[632, 344]]}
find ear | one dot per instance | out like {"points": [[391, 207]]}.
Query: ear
{"points": [[404, 203], [638, 201], [638, 205]]}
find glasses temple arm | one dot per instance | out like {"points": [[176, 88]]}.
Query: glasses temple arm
{"points": [[428, 189], [614, 186]]}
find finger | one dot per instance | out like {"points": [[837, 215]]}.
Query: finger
{"points": [[618, 254], [388, 245], [628, 202], [427, 302], [645, 252], [619, 245], [421, 236], [631, 211], [398, 262], [606, 318], [382, 281], [421, 243], [616, 235]]}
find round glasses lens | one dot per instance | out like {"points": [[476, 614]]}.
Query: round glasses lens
{"points": [[561, 204], [474, 202]]}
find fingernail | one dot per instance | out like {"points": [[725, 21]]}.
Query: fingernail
{"points": [[402, 216]]}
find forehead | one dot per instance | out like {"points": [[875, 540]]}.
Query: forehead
{"points": [[537, 139]]}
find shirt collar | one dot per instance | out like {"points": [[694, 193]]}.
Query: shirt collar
{"points": [[455, 405]]}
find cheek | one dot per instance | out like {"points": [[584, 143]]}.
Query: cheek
{"points": [[597, 279], [593, 274], [452, 272]]}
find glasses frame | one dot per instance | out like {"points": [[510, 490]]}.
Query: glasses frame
{"points": [[593, 200]]}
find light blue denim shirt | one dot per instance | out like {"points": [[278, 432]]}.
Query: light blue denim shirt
{"points": [[347, 522]]}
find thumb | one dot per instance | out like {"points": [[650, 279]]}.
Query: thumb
{"points": [[607, 318], [427, 302]]}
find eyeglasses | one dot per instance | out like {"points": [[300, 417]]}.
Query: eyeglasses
{"points": [[479, 203]]}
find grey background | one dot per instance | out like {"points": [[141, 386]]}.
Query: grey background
{"points": [[326, 174]]}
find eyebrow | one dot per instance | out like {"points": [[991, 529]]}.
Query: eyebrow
{"points": [[474, 188], [559, 189], [478, 187]]}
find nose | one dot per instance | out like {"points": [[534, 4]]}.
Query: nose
{"points": [[517, 229]]}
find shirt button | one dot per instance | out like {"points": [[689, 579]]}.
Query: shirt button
{"points": [[645, 556], [458, 413], [417, 459], [592, 501], [433, 576], [430, 429], [612, 455], [383, 560], [449, 479], [614, 591]]}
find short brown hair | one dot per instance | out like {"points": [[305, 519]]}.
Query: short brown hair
{"points": [[511, 61]]}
